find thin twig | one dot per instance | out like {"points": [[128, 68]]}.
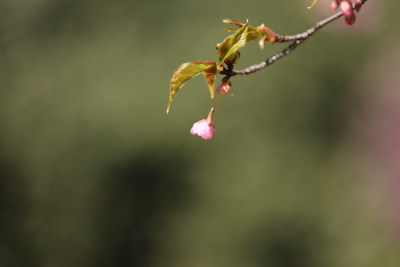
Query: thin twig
{"points": [[297, 40]]}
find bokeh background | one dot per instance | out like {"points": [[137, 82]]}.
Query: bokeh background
{"points": [[303, 169]]}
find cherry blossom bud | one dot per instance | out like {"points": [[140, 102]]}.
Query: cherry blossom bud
{"points": [[348, 12], [347, 8], [204, 128], [335, 4], [350, 20]]}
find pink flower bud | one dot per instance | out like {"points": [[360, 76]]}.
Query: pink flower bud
{"points": [[348, 12], [351, 19], [346, 7], [335, 4], [203, 128]]}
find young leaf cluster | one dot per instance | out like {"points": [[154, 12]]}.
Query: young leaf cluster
{"points": [[228, 54]]}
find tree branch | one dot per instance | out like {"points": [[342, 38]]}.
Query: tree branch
{"points": [[297, 40]]}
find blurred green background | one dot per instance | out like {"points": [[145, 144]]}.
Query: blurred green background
{"points": [[301, 170]]}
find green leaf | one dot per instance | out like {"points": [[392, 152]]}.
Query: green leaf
{"points": [[232, 43], [187, 71], [253, 33]]}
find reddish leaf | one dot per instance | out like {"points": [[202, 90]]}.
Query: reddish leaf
{"points": [[231, 21], [210, 76], [268, 34]]}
